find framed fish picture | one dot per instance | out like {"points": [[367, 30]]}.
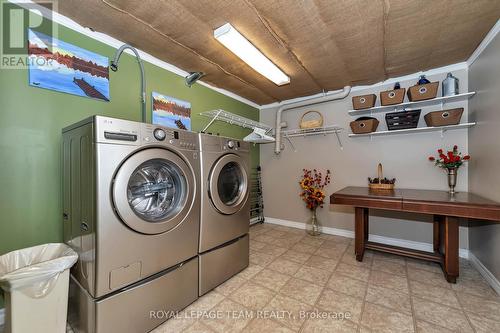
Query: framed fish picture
{"points": [[64, 67], [171, 112]]}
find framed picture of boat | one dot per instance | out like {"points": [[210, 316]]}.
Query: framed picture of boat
{"points": [[61, 66], [171, 112]]}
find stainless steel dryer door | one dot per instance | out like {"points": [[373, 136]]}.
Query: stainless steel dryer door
{"points": [[153, 191], [228, 184]]}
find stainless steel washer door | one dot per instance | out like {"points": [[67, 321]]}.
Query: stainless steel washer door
{"points": [[228, 184], [153, 191]]}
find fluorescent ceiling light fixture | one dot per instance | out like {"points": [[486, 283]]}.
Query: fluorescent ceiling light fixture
{"points": [[239, 45]]}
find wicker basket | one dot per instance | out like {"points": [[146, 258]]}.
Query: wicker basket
{"points": [[380, 186], [364, 125], [444, 118], [313, 123], [391, 97], [363, 101], [423, 92]]}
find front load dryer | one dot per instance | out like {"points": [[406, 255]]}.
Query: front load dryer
{"points": [[131, 208], [225, 209]]}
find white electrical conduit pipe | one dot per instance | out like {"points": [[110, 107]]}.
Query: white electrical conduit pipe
{"points": [[328, 97]]}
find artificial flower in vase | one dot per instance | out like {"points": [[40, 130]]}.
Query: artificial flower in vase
{"points": [[451, 162], [312, 185]]}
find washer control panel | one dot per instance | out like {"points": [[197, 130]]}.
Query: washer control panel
{"points": [[159, 134], [117, 131], [169, 136]]}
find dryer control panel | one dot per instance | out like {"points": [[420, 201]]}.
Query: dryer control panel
{"points": [[234, 144], [217, 143]]}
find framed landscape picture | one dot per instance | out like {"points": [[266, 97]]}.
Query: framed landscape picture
{"points": [[171, 112], [61, 66]]}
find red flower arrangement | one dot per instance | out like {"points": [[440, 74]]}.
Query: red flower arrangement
{"points": [[451, 160], [312, 185]]}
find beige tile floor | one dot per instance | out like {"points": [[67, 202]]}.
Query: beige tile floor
{"points": [[290, 271]]}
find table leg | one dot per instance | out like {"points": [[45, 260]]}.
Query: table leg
{"points": [[360, 231], [438, 219], [451, 249], [366, 227]]}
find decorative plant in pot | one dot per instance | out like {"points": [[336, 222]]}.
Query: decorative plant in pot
{"points": [[451, 162], [312, 185]]}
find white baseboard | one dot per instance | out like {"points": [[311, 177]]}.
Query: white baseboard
{"points": [[2, 317], [488, 276], [463, 253], [284, 223]]}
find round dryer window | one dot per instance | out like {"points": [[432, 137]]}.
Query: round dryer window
{"points": [[228, 184], [152, 190]]}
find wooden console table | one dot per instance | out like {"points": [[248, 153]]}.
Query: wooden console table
{"points": [[445, 208]]}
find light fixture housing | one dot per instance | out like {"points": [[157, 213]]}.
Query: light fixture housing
{"points": [[193, 77], [228, 36]]}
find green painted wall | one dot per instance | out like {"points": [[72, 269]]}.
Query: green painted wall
{"points": [[31, 120]]}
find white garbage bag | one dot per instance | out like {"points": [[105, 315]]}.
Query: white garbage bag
{"points": [[34, 270]]}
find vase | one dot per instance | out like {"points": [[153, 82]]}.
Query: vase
{"points": [[312, 227], [452, 179], [423, 80]]}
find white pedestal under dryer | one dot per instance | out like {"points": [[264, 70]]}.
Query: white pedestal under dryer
{"points": [[131, 204], [225, 209]]}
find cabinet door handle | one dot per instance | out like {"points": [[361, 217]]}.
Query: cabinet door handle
{"points": [[84, 226]]}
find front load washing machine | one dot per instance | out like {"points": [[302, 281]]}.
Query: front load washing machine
{"points": [[131, 208], [225, 209]]}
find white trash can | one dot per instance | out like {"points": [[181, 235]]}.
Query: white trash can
{"points": [[35, 282]]}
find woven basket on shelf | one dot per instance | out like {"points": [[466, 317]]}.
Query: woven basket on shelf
{"points": [[423, 92], [379, 185], [313, 123]]}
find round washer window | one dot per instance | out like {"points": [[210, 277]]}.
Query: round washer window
{"points": [[230, 183], [156, 190]]}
